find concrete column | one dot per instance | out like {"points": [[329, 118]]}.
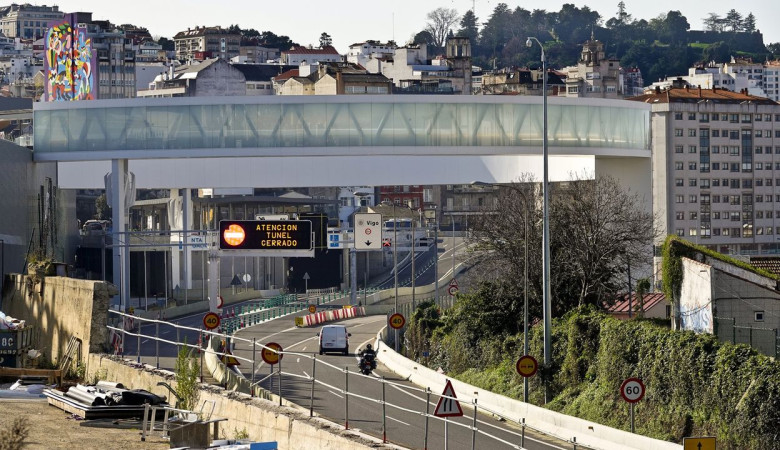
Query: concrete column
{"points": [[120, 254]]}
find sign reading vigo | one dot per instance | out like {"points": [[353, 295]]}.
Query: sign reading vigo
{"points": [[368, 231]]}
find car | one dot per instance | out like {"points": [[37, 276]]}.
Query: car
{"points": [[334, 338]]}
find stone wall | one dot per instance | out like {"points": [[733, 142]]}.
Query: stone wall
{"points": [[60, 308]]}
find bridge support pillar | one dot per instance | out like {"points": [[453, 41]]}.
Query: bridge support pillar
{"points": [[119, 252]]}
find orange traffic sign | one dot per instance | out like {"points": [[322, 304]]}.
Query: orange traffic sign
{"points": [[272, 353], [397, 321], [699, 443], [312, 309], [527, 366], [448, 405], [211, 320]]}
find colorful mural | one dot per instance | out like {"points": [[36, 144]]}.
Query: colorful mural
{"points": [[69, 64]]}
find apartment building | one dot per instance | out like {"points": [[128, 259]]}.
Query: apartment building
{"points": [[28, 21], [202, 43], [299, 55], [595, 75], [362, 52], [716, 167]]}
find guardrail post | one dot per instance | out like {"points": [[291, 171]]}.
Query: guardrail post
{"points": [[522, 433], [138, 349], [280, 379], [313, 373], [574, 441], [252, 389], [427, 405], [474, 428], [346, 398], [384, 413], [157, 342]]}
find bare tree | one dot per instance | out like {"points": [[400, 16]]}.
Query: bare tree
{"points": [[440, 23], [596, 229]]}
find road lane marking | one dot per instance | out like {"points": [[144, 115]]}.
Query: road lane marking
{"points": [[399, 421], [337, 395]]}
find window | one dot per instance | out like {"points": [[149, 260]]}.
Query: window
{"points": [[758, 316], [704, 167], [678, 148], [716, 215], [573, 89], [767, 117], [716, 199], [759, 150], [693, 199], [715, 232], [735, 167], [678, 132], [715, 166], [694, 215], [691, 132], [691, 116], [679, 199], [759, 199], [679, 215], [692, 148], [715, 181], [734, 150], [679, 182], [705, 183], [725, 231], [759, 166], [692, 232], [757, 118], [691, 166], [746, 118], [734, 118], [759, 133], [777, 149], [769, 230], [734, 200], [692, 182], [759, 215], [768, 181], [724, 117], [704, 117], [735, 232], [715, 149], [715, 133], [747, 183], [734, 215], [678, 165], [734, 183], [680, 232], [678, 116]]}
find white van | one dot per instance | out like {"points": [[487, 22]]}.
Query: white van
{"points": [[334, 338]]}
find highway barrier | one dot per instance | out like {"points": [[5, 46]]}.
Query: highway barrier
{"points": [[329, 316], [583, 432]]}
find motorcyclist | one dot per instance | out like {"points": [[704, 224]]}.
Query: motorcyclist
{"points": [[369, 354]]}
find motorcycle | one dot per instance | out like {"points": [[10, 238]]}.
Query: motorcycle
{"points": [[367, 363]]}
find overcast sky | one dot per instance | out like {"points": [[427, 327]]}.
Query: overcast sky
{"points": [[351, 21]]}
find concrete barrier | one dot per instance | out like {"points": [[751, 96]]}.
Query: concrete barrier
{"points": [[329, 316], [589, 434]]}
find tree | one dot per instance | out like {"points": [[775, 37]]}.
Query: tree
{"points": [[713, 22], [167, 44], [102, 211], [774, 48], [469, 27], [749, 24], [734, 20], [187, 375], [439, 25], [496, 32], [594, 226], [423, 37], [671, 27], [325, 40]]}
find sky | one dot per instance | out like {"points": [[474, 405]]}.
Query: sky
{"points": [[353, 21]]}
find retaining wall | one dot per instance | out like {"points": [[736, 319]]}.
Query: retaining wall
{"points": [[262, 420]]}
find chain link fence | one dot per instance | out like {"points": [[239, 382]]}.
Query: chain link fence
{"points": [[765, 340]]}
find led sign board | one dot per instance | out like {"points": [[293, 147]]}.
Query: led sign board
{"points": [[265, 235]]}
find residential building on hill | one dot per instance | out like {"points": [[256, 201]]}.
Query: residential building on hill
{"points": [[362, 52], [203, 43], [28, 21], [299, 55], [522, 82], [332, 78], [595, 75], [259, 77], [194, 80], [716, 167]]}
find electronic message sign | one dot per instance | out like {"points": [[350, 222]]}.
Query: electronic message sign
{"points": [[275, 235]]}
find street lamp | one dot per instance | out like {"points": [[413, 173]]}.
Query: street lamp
{"points": [[546, 303]]}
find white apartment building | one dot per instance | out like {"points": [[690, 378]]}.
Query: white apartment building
{"points": [[202, 43], [298, 55], [28, 21], [594, 75], [362, 52], [716, 167]]}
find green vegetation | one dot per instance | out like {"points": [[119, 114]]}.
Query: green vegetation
{"points": [[695, 385], [12, 438], [187, 379]]}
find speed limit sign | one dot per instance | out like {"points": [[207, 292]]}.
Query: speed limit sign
{"points": [[397, 321], [632, 390]]}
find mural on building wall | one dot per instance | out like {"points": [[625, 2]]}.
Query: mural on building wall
{"points": [[69, 64], [696, 297]]}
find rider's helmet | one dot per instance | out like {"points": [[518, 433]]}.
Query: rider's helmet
{"points": [[368, 346]]}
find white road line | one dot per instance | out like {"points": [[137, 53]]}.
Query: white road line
{"points": [[297, 360], [399, 421], [307, 375]]}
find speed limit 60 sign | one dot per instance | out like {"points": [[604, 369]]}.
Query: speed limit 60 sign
{"points": [[632, 390]]}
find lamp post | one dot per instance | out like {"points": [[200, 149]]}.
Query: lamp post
{"points": [[395, 272], [546, 302]]}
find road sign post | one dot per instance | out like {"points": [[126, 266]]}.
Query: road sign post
{"points": [[632, 390]]}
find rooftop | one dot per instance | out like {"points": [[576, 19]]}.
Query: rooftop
{"points": [[694, 95]]}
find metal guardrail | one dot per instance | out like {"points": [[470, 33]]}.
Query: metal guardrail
{"points": [[424, 395]]}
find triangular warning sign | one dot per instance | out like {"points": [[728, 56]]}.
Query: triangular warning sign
{"points": [[448, 407], [228, 359], [454, 282]]}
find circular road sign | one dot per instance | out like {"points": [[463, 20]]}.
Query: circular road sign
{"points": [[397, 321], [234, 235], [452, 290], [211, 321], [220, 301], [312, 309], [270, 356], [632, 390], [527, 366]]}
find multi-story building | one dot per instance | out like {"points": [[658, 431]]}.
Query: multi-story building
{"points": [[406, 196], [253, 51], [521, 82], [716, 167], [28, 21], [203, 43], [595, 75], [333, 78], [299, 55], [362, 52], [193, 80]]}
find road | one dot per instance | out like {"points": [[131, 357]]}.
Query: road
{"points": [[405, 425], [424, 264]]}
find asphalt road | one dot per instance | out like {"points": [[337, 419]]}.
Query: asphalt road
{"points": [[405, 425]]}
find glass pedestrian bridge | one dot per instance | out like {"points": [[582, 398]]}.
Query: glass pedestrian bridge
{"points": [[280, 126]]}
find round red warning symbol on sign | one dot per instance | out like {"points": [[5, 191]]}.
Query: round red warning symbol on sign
{"points": [[272, 353], [368, 231], [234, 235], [527, 366]]}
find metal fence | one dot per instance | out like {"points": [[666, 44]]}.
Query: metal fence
{"points": [[765, 340], [321, 368]]}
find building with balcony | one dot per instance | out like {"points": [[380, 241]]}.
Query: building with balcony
{"points": [[203, 43], [595, 75], [333, 78], [362, 52], [28, 21], [716, 167]]}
